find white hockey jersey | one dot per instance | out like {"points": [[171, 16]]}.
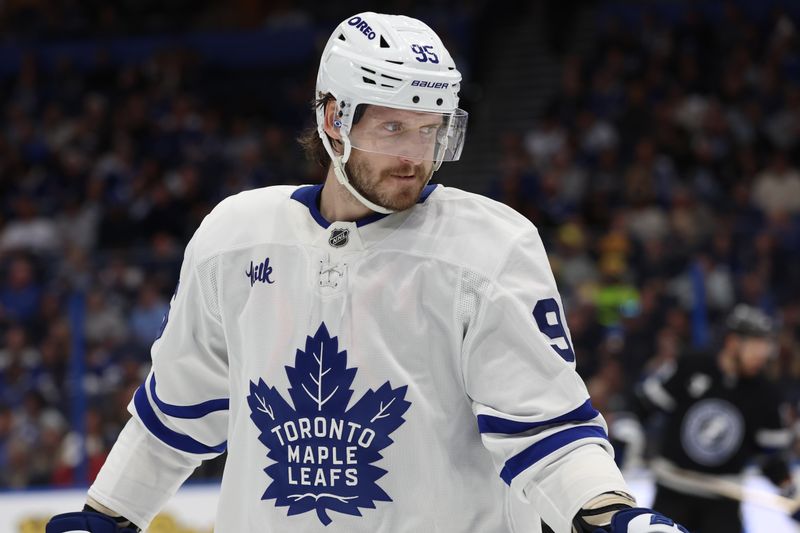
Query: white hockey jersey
{"points": [[392, 375]]}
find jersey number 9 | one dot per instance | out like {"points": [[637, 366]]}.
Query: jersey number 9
{"points": [[547, 314]]}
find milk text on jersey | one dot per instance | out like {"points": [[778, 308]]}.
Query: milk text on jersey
{"points": [[260, 272], [362, 26]]}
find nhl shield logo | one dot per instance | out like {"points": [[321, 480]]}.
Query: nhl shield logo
{"points": [[339, 237]]}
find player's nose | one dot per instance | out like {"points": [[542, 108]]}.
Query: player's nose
{"points": [[411, 160]]}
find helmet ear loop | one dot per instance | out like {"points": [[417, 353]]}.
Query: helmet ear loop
{"points": [[340, 160], [346, 144]]}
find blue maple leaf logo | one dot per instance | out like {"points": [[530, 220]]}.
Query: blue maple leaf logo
{"points": [[323, 451]]}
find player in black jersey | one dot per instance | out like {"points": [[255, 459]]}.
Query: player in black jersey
{"points": [[721, 414]]}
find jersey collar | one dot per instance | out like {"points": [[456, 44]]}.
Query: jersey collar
{"points": [[309, 195]]}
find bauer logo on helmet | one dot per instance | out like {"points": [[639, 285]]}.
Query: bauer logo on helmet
{"points": [[430, 84]]}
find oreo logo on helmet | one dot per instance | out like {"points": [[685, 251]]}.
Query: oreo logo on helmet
{"points": [[712, 432], [362, 26]]}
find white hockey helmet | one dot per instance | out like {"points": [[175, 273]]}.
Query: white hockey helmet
{"points": [[396, 62]]}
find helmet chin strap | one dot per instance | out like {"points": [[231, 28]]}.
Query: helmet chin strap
{"points": [[341, 175]]}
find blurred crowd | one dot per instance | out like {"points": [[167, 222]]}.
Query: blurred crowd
{"points": [[663, 178], [107, 167], [104, 175]]}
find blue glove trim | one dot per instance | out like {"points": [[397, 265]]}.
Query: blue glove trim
{"points": [[619, 524]]}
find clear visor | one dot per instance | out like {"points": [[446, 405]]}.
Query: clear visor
{"points": [[415, 135]]}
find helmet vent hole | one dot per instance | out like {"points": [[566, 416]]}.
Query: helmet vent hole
{"points": [[365, 69], [384, 44], [415, 99], [439, 101], [395, 62], [390, 77], [341, 37], [368, 80]]}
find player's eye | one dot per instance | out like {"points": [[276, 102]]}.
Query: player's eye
{"points": [[392, 127], [428, 131]]}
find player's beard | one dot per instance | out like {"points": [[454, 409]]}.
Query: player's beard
{"points": [[379, 187]]}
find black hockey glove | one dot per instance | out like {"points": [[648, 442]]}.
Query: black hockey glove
{"points": [[89, 521]]}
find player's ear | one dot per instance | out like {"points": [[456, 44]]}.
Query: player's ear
{"points": [[330, 120]]}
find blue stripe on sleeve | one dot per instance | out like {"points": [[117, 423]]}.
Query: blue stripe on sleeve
{"points": [[177, 440], [545, 447], [187, 411], [495, 424]]}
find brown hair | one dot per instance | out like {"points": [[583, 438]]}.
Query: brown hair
{"points": [[309, 139]]}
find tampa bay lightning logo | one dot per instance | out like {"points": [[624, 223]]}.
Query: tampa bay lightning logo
{"points": [[712, 431], [323, 451]]}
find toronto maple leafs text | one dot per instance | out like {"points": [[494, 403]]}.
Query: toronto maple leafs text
{"points": [[340, 431]]}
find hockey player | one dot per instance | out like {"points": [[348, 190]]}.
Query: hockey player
{"points": [[376, 354], [721, 414]]}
